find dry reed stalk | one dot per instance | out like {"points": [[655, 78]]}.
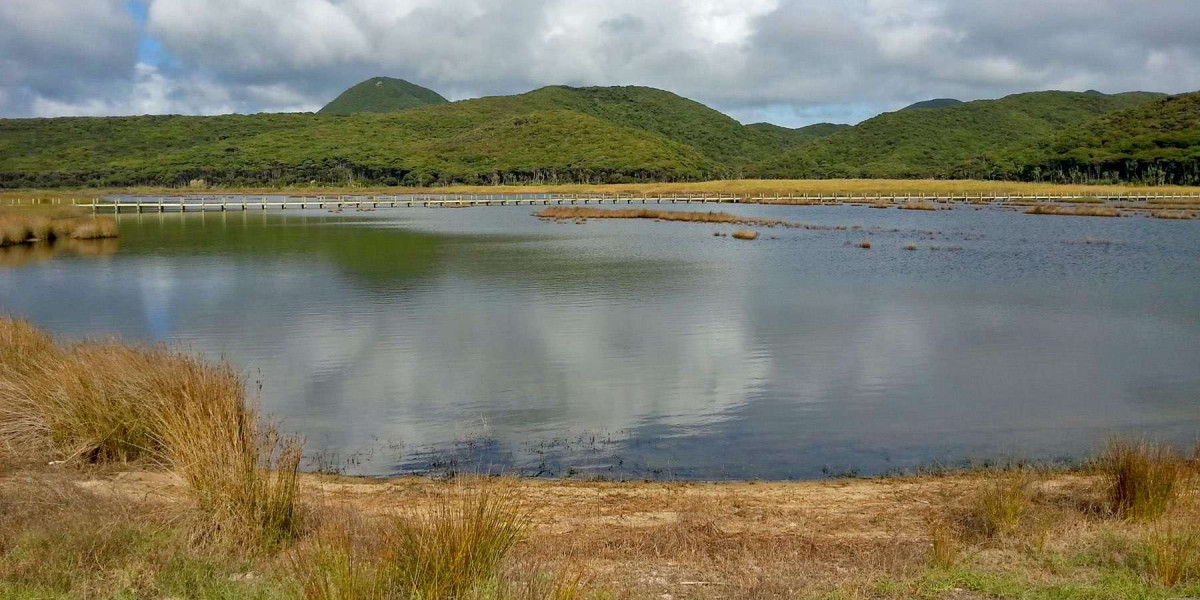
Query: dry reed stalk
{"points": [[1142, 478]]}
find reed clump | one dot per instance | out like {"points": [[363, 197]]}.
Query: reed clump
{"points": [[998, 508], [865, 244], [22, 228], [1172, 214], [453, 549], [107, 402], [917, 205], [1073, 211], [1142, 479], [1170, 555], [745, 234]]}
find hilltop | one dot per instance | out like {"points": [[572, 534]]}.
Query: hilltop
{"points": [[933, 142], [935, 103], [380, 95]]}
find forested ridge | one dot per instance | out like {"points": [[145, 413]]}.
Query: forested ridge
{"points": [[562, 134]]}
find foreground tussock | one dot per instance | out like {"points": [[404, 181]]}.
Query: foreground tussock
{"points": [[1074, 211], [106, 402]]}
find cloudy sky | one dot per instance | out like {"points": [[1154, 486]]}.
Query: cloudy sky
{"points": [[791, 62]]}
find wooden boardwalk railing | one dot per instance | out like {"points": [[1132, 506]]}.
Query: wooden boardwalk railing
{"points": [[269, 202]]}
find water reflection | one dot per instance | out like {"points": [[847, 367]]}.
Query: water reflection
{"points": [[485, 339], [19, 255]]}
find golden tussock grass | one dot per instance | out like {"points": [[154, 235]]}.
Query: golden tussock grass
{"points": [[865, 244], [27, 226], [1074, 211], [1170, 554], [744, 187], [745, 234], [107, 402], [455, 546], [1142, 478], [999, 506], [917, 205]]}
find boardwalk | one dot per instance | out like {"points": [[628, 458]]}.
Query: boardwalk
{"points": [[278, 202]]}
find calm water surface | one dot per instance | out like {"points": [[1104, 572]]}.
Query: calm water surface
{"points": [[417, 339]]}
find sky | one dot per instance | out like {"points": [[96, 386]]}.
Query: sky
{"points": [[791, 62]]}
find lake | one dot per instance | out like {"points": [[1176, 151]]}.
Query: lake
{"points": [[420, 339]]}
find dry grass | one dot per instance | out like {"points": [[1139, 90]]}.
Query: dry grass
{"points": [[1170, 555], [1073, 211], [865, 244], [1172, 214], [745, 234], [743, 187], [23, 225], [946, 548], [452, 547], [917, 205], [106, 402], [910, 246], [998, 508], [1142, 478]]}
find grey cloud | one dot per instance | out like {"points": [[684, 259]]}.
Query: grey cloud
{"points": [[791, 58]]}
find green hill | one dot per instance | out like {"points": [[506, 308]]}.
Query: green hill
{"points": [[551, 134], [1154, 143], [593, 135], [935, 142], [935, 103], [382, 94]]}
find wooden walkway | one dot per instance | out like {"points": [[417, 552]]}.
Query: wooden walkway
{"points": [[244, 203]]}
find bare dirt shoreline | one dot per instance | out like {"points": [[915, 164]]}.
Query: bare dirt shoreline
{"points": [[841, 538]]}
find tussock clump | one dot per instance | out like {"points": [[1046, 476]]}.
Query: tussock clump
{"points": [[1172, 214], [917, 205], [1142, 479], [452, 550], [1170, 555], [27, 228], [865, 244], [106, 402], [997, 509], [1073, 211], [745, 234], [944, 538]]}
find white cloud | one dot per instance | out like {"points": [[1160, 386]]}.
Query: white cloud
{"points": [[747, 57]]}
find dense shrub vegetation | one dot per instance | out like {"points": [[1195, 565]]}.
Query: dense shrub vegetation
{"points": [[560, 135]]}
